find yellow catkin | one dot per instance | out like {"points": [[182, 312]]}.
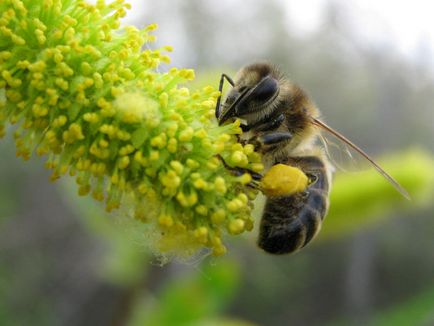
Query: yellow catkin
{"points": [[89, 94]]}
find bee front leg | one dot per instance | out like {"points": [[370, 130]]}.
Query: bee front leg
{"points": [[237, 171], [265, 125]]}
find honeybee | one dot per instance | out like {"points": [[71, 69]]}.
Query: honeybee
{"points": [[283, 124]]}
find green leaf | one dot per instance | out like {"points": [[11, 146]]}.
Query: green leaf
{"points": [[365, 198]]}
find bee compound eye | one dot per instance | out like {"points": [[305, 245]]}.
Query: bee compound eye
{"points": [[266, 89]]}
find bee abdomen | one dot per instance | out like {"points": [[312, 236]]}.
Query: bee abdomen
{"points": [[290, 222]]}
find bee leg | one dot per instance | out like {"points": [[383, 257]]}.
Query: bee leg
{"points": [[237, 171], [270, 139], [272, 125], [218, 106], [275, 137], [266, 126]]}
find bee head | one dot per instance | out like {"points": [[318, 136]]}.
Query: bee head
{"points": [[256, 86]]}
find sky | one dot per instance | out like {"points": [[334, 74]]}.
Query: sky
{"points": [[408, 26]]}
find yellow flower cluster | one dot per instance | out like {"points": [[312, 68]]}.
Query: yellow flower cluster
{"points": [[82, 92]]}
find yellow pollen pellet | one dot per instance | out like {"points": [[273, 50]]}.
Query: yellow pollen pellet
{"points": [[283, 179]]}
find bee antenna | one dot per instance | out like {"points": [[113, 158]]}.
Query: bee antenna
{"points": [[222, 79]]}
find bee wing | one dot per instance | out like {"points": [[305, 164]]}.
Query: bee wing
{"points": [[348, 149], [340, 155]]}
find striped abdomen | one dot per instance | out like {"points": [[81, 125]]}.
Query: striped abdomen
{"points": [[288, 223]]}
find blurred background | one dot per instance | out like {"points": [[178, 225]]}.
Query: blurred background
{"points": [[369, 65]]}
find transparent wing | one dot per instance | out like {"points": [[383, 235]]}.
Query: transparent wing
{"points": [[342, 156], [347, 156]]}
